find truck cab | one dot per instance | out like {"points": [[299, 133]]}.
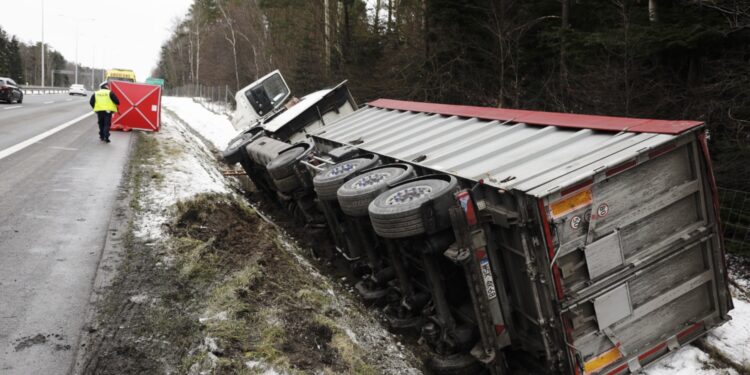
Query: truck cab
{"points": [[260, 100], [268, 102]]}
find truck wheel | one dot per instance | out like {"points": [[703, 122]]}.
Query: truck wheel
{"points": [[328, 181], [287, 184], [399, 212], [455, 364], [232, 154], [356, 194], [282, 166]]}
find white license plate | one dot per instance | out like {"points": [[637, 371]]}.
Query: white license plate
{"points": [[489, 283]]}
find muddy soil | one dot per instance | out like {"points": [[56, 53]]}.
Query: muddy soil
{"points": [[321, 253], [223, 292]]}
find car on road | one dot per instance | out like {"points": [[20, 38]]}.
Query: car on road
{"points": [[77, 89], [9, 91]]}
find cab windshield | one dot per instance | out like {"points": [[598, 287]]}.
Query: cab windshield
{"points": [[268, 95]]}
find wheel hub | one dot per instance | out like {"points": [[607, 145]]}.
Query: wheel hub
{"points": [[340, 169], [369, 180], [409, 194]]}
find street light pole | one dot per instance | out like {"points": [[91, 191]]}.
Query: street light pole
{"points": [[93, 64], [42, 43], [76, 79]]}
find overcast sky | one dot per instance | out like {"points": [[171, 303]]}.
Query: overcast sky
{"points": [[118, 34]]}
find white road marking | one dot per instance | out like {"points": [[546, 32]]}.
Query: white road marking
{"points": [[63, 148], [20, 146], [67, 100], [14, 107], [49, 102]]}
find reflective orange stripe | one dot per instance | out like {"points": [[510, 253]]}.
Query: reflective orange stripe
{"points": [[571, 203], [602, 360]]}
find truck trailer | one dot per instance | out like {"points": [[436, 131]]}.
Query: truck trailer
{"points": [[511, 241]]}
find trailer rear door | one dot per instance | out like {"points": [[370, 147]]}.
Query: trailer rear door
{"points": [[639, 258]]}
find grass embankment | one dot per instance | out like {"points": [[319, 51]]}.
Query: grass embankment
{"points": [[218, 292]]}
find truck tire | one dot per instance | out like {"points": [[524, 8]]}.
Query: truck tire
{"points": [[400, 211], [328, 181], [232, 154], [456, 364], [287, 184], [356, 194], [282, 166]]}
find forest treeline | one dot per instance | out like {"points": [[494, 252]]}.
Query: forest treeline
{"points": [[22, 62], [673, 59]]}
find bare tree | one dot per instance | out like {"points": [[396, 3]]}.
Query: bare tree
{"points": [[232, 39]]}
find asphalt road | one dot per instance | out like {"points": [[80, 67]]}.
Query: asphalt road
{"points": [[56, 198]]}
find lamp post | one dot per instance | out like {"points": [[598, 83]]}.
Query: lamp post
{"points": [[77, 21], [93, 64], [76, 79], [42, 43]]}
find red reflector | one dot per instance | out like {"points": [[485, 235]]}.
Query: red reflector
{"points": [[499, 329], [652, 351], [689, 330], [661, 151], [575, 187], [618, 369], [480, 253], [464, 199], [621, 168]]}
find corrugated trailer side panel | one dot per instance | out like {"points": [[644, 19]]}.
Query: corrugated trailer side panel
{"points": [[614, 255], [636, 258]]}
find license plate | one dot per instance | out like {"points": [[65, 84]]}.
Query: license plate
{"points": [[489, 283]]}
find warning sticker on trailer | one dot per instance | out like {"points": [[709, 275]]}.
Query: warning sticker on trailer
{"points": [[603, 210], [489, 283]]}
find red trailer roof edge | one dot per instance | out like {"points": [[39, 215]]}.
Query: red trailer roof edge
{"points": [[566, 120]]}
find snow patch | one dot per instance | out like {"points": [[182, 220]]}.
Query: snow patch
{"points": [[688, 360], [188, 169], [263, 368], [139, 298], [220, 316], [215, 128], [733, 338]]}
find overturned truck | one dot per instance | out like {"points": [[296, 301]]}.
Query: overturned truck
{"points": [[511, 241]]}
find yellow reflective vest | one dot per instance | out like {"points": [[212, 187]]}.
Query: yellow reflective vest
{"points": [[103, 101]]}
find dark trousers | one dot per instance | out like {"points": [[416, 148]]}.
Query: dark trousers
{"points": [[105, 121]]}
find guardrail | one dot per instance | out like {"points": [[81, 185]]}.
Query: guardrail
{"points": [[34, 90]]}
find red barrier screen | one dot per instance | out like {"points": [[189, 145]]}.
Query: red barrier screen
{"points": [[140, 106]]}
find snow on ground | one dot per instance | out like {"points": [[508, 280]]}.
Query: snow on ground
{"points": [[187, 169], [733, 338], [195, 174], [688, 360], [215, 128]]}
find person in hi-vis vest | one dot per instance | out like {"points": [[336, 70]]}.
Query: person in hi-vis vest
{"points": [[105, 103]]}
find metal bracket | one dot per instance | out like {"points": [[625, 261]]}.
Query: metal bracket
{"points": [[611, 336], [478, 239], [497, 215], [315, 167], [457, 255], [634, 365], [673, 343]]}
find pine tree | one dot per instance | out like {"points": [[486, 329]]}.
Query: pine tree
{"points": [[15, 70]]}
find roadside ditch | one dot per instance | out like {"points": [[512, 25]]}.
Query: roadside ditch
{"points": [[204, 285]]}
